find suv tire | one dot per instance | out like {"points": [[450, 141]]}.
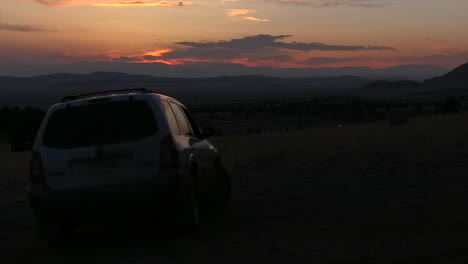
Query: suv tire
{"points": [[221, 194], [187, 217]]}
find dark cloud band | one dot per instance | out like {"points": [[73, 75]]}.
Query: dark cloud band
{"points": [[25, 28], [265, 41]]}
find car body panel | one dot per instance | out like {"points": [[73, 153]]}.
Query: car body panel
{"points": [[126, 171]]}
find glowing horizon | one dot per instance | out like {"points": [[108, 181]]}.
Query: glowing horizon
{"points": [[254, 33]]}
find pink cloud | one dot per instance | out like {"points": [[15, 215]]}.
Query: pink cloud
{"points": [[245, 14], [107, 3]]}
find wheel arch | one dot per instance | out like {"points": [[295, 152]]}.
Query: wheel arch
{"points": [[188, 175]]}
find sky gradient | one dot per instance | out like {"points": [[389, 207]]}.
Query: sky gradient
{"points": [[274, 33]]}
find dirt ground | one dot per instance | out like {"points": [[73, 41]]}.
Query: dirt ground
{"points": [[334, 210]]}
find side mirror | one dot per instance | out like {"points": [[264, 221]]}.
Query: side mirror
{"points": [[208, 132]]}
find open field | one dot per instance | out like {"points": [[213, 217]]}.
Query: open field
{"points": [[370, 193]]}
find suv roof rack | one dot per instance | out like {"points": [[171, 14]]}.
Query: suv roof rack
{"points": [[75, 97]]}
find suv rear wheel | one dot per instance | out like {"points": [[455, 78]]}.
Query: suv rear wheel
{"points": [[221, 194], [187, 217]]}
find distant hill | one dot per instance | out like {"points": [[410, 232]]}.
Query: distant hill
{"points": [[457, 78], [48, 89], [380, 85], [454, 83], [45, 90], [207, 70]]}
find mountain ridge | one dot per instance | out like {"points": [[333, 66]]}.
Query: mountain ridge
{"points": [[208, 70], [48, 89], [457, 78]]}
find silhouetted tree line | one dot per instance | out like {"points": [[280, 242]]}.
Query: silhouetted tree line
{"points": [[452, 105], [330, 108], [344, 109], [20, 125]]}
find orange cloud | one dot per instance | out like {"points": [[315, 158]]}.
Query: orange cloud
{"points": [[334, 3], [140, 3], [158, 53], [62, 2], [251, 18], [253, 51], [107, 3], [238, 12], [243, 14], [146, 57], [266, 63], [179, 61]]}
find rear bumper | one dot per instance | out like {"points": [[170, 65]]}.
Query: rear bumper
{"points": [[103, 200]]}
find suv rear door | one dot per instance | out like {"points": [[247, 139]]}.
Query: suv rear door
{"points": [[101, 143]]}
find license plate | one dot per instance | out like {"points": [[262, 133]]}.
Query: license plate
{"points": [[101, 167]]}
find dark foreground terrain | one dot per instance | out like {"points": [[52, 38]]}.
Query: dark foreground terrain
{"points": [[364, 194]]}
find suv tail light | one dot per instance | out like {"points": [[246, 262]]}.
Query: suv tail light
{"points": [[36, 172], [169, 154]]}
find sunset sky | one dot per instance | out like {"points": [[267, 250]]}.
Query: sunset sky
{"points": [[275, 33]]}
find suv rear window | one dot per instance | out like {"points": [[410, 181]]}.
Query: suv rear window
{"points": [[100, 124]]}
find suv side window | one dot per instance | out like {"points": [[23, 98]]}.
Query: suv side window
{"points": [[171, 119], [183, 123], [192, 122]]}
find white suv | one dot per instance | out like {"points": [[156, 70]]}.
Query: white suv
{"points": [[129, 149]]}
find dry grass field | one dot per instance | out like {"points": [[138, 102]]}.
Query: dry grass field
{"points": [[371, 193]]}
